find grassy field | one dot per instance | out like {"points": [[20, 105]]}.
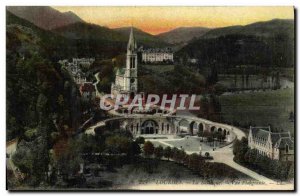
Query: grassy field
{"points": [[161, 79], [158, 68], [260, 108]]}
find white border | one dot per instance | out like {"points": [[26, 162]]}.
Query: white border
{"points": [[4, 3]]}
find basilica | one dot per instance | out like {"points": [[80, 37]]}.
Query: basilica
{"points": [[126, 82]]}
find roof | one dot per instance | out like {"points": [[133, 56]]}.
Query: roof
{"points": [[87, 87], [156, 50], [131, 43], [261, 132], [282, 142], [277, 139]]}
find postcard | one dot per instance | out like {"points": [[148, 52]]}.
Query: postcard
{"points": [[150, 98]]}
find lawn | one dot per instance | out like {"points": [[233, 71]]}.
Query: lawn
{"points": [[260, 108], [158, 68]]}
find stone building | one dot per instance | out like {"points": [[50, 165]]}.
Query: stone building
{"points": [[156, 55], [276, 146], [74, 68], [87, 91], [126, 81], [83, 62]]}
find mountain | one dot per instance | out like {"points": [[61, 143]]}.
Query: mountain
{"points": [[182, 35], [269, 43], [142, 37], [81, 30], [55, 46], [260, 29], [34, 82], [58, 47], [44, 17]]}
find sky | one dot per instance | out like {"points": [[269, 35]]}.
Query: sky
{"points": [[155, 20]]}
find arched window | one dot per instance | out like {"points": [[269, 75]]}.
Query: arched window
{"points": [[168, 126], [132, 62]]}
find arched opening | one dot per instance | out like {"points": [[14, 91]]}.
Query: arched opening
{"points": [[200, 129], [183, 126], [212, 129], [149, 127], [225, 133], [191, 128]]}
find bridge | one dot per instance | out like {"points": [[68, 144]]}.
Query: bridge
{"points": [[171, 125], [167, 125]]}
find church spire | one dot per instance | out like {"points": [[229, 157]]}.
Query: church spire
{"points": [[131, 43]]}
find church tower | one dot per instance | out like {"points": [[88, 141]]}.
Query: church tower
{"points": [[131, 81]]}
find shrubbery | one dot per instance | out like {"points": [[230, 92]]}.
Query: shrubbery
{"points": [[281, 170]]}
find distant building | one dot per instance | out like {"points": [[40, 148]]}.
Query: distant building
{"points": [[84, 62], [276, 146], [75, 68], [156, 55], [193, 61], [87, 91], [79, 78]]}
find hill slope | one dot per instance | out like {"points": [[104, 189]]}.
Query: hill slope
{"points": [[34, 82], [60, 47], [182, 34], [44, 17], [268, 43], [55, 46], [82, 30], [261, 29]]}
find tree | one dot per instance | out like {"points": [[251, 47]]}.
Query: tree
{"points": [[117, 144], [32, 158], [207, 154], [140, 140], [179, 155], [158, 152], [69, 161], [193, 161], [236, 146], [148, 148], [168, 152], [291, 117], [240, 148], [134, 149]]}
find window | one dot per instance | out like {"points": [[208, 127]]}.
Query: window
{"points": [[132, 62], [286, 148]]}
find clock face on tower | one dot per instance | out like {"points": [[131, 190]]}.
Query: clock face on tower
{"points": [[131, 80]]}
